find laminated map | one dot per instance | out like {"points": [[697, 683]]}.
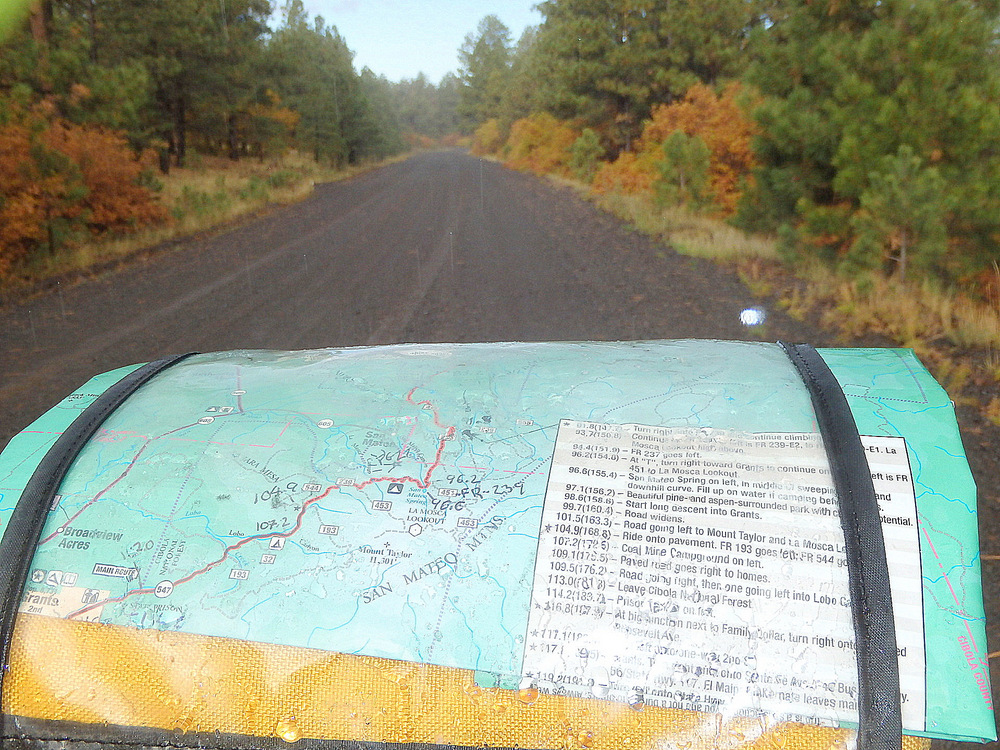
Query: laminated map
{"points": [[649, 524]]}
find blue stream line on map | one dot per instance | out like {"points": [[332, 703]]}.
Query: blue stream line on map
{"points": [[413, 627], [696, 413], [909, 407], [356, 499], [503, 602], [243, 617], [224, 591], [525, 510], [917, 471], [932, 493], [465, 621], [338, 433], [953, 567], [949, 453], [130, 509], [348, 621], [962, 616], [318, 552], [97, 477], [208, 530]]}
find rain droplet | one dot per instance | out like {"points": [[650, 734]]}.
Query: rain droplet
{"points": [[753, 316], [602, 683], [288, 730], [527, 692], [473, 691]]}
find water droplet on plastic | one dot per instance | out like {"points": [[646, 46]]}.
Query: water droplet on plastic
{"points": [[636, 700], [527, 691], [473, 691], [340, 575], [586, 739], [288, 730], [753, 316], [602, 683]]}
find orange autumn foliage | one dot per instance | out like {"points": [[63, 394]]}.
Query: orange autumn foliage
{"points": [[540, 144], [488, 138], [115, 200], [625, 175], [22, 197], [57, 174], [717, 119]]}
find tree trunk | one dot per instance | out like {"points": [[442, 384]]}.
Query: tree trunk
{"points": [[180, 132], [902, 255], [41, 22], [231, 137], [164, 154], [92, 29]]}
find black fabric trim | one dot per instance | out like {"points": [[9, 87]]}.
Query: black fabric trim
{"points": [[880, 721], [17, 548]]}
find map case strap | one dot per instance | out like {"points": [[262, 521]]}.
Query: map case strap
{"points": [[879, 708], [21, 536]]}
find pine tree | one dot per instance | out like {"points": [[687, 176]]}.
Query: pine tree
{"points": [[683, 170], [585, 155], [902, 216], [611, 61], [484, 69], [847, 86]]}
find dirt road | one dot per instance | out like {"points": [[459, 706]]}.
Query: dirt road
{"points": [[442, 247]]}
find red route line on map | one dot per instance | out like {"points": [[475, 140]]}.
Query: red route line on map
{"points": [[944, 574], [423, 484]]}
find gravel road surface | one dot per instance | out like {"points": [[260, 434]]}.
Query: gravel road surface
{"points": [[441, 247]]}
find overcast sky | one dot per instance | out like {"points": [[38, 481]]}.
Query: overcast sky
{"points": [[401, 38]]}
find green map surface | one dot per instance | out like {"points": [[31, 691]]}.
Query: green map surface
{"points": [[387, 501]]}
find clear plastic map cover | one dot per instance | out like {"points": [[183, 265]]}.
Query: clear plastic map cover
{"points": [[589, 545]]}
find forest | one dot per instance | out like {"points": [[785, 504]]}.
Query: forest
{"points": [[864, 135], [100, 99]]}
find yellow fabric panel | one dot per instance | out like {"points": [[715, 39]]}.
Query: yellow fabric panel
{"points": [[93, 673]]}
